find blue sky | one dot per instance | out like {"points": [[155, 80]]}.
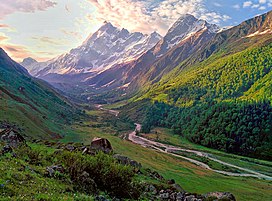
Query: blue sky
{"points": [[44, 29]]}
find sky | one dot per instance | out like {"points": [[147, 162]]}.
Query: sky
{"points": [[44, 29]]}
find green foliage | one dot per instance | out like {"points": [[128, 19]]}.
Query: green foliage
{"points": [[108, 175], [84, 174], [32, 104], [242, 128], [223, 103]]}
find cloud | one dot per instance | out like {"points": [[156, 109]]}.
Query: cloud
{"points": [[19, 52], [236, 6], [4, 26], [10, 6], [75, 34], [257, 4], [45, 40], [16, 51], [217, 4], [3, 37], [262, 1], [145, 16], [247, 4], [262, 8]]}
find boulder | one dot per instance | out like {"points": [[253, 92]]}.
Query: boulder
{"points": [[190, 198], [164, 196], [51, 170], [179, 196], [12, 137], [156, 175], [171, 181], [220, 196], [101, 144], [70, 147], [127, 161]]}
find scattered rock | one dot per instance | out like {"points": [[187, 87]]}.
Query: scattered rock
{"points": [[180, 196], [101, 144], [171, 181], [156, 175], [164, 196], [51, 170], [12, 137], [127, 161], [6, 149], [221, 196], [70, 147], [190, 198]]}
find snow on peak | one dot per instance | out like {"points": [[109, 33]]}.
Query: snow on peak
{"points": [[108, 46], [186, 26]]}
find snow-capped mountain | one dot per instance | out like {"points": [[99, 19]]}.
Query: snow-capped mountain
{"points": [[34, 66], [185, 27], [106, 47], [185, 37]]}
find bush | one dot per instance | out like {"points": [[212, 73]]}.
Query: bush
{"points": [[107, 174]]}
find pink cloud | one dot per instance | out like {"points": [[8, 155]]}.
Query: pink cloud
{"points": [[9, 7], [135, 15], [19, 52]]}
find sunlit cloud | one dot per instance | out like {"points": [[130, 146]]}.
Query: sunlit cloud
{"points": [[3, 37], [29, 6], [135, 16], [19, 52], [45, 40]]}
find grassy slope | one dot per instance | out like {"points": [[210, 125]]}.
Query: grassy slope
{"points": [[37, 108], [191, 177], [219, 77]]}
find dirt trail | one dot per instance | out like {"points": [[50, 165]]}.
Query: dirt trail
{"points": [[169, 149]]}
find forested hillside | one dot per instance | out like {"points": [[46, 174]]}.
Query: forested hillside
{"points": [[223, 103]]}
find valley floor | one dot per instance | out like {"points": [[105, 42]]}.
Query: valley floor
{"points": [[190, 176]]}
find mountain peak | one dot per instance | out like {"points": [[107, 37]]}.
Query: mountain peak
{"points": [[29, 59], [186, 16], [27, 62], [185, 27]]}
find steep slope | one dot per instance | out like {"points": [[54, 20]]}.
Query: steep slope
{"points": [[183, 38], [223, 101], [106, 47], [31, 104]]}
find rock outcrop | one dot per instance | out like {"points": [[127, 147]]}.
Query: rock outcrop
{"points": [[12, 137], [101, 144]]}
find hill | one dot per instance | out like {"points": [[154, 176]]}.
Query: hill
{"points": [[30, 104]]}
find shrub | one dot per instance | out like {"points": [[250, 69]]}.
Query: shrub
{"points": [[108, 175]]}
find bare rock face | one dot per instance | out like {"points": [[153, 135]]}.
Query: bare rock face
{"points": [[12, 137], [101, 144]]}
